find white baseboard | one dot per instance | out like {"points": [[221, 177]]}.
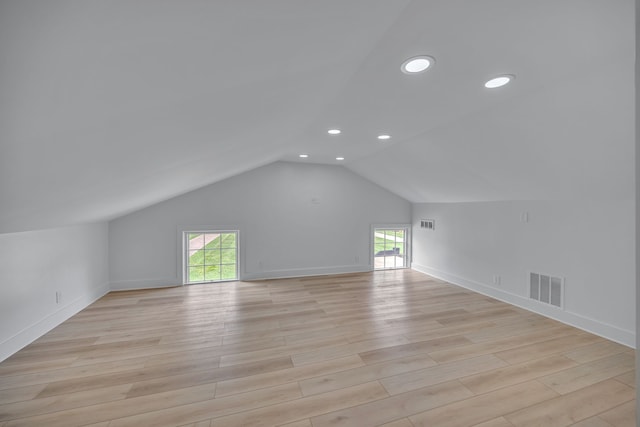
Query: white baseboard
{"points": [[593, 326], [305, 272], [133, 285], [41, 327]]}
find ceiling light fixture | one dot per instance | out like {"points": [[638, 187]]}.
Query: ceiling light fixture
{"points": [[334, 131], [339, 158], [499, 81], [303, 156], [384, 137], [417, 64]]}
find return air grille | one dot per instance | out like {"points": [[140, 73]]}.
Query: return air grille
{"points": [[546, 289], [429, 224]]}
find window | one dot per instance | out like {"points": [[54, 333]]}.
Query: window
{"points": [[390, 248], [210, 256]]}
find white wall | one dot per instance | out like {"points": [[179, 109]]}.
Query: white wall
{"points": [[36, 264], [590, 244], [294, 219], [637, 194]]}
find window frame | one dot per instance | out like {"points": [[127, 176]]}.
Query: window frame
{"points": [[185, 254], [408, 240]]}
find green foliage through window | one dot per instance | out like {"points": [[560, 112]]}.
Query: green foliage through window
{"points": [[389, 249], [212, 256]]}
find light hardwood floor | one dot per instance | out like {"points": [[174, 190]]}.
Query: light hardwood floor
{"points": [[393, 348]]}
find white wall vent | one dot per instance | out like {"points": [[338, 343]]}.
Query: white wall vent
{"points": [[546, 289], [429, 224]]}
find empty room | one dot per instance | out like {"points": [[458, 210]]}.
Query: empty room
{"points": [[318, 213]]}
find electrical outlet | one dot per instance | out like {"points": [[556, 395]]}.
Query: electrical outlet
{"points": [[357, 259], [58, 297], [497, 280]]}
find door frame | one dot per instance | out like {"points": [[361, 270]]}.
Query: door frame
{"points": [[408, 241], [181, 229]]}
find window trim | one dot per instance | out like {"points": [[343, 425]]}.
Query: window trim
{"points": [[185, 252], [372, 244]]}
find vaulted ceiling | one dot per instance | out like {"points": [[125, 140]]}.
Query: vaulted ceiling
{"points": [[110, 106]]}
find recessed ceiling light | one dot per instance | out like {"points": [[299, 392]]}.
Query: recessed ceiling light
{"points": [[417, 64], [383, 137], [303, 156], [339, 158], [333, 131], [499, 81]]}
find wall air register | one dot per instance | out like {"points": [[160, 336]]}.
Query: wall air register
{"points": [[547, 289], [429, 224]]}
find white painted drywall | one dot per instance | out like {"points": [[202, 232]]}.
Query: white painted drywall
{"points": [[34, 265], [637, 194], [294, 220], [571, 139], [589, 243]]}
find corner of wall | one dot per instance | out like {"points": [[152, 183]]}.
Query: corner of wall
{"points": [[41, 327], [593, 326]]}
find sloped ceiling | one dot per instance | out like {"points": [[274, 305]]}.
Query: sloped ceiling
{"points": [[110, 106]]}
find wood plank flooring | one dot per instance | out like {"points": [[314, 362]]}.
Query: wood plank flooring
{"points": [[389, 348]]}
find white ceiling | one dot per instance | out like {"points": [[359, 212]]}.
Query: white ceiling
{"points": [[110, 106]]}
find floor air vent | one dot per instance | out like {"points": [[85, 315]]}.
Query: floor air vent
{"points": [[546, 289]]}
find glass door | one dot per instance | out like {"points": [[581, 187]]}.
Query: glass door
{"points": [[210, 256], [390, 248]]}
